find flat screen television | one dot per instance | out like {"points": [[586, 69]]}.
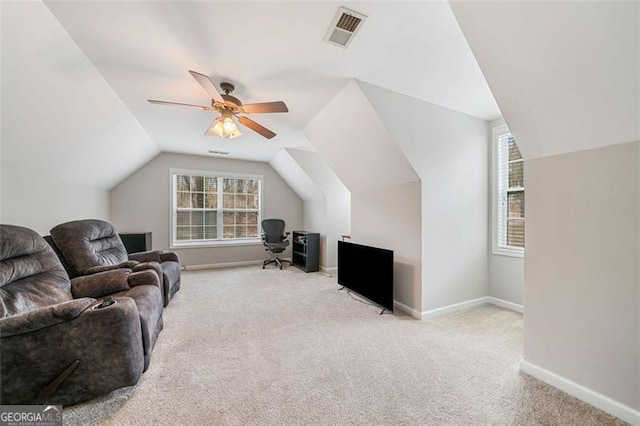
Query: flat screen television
{"points": [[367, 271]]}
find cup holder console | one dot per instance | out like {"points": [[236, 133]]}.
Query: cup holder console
{"points": [[105, 303]]}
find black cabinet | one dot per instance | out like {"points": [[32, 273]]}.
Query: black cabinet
{"points": [[306, 251]]}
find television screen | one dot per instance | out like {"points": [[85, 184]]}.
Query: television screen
{"points": [[367, 271]]}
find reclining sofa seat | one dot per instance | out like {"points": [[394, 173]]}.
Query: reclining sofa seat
{"points": [[57, 345], [90, 245]]}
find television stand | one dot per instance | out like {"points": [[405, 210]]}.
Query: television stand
{"points": [[306, 251]]}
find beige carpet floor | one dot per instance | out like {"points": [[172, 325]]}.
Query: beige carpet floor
{"points": [[252, 346]]}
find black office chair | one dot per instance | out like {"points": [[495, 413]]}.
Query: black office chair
{"points": [[274, 240]]}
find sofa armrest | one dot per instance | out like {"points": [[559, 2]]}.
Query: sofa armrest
{"points": [[144, 277], [101, 283], [106, 342], [43, 317], [96, 269], [169, 256], [146, 256], [153, 266]]}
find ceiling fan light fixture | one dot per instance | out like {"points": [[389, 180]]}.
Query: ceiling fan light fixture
{"points": [[225, 127]]}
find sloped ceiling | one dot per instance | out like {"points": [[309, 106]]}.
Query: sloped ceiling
{"points": [[350, 137], [292, 173], [270, 51], [320, 172], [566, 74], [76, 75], [420, 129], [59, 116]]}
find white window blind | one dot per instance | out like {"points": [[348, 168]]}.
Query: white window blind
{"points": [[213, 208], [508, 193]]}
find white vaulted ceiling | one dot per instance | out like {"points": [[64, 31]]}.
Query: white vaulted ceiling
{"points": [[59, 116], [270, 51], [566, 74]]}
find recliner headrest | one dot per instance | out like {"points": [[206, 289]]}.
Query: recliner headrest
{"points": [[88, 243], [31, 275], [23, 253]]}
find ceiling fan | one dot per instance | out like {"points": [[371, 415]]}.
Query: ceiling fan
{"points": [[229, 107]]}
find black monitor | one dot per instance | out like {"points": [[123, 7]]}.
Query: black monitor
{"points": [[367, 271]]}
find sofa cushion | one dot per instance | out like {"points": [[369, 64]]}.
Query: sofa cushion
{"points": [[31, 276], [88, 243]]}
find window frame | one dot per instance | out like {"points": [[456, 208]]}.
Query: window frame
{"points": [[174, 244], [496, 248]]}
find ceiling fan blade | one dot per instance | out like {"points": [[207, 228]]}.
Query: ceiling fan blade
{"points": [[207, 85], [258, 128], [153, 101], [265, 107]]}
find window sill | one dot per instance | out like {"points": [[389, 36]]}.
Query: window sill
{"points": [[508, 252], [213, 244]]}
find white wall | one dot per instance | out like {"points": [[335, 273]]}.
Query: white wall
{"points": [[506, 273], [142, 203], [352, 140], [315, 220], [389, 218], [566, 79], [336, 205], [506, 278], [582, 285], [314, 200], [448, 150], [40, 201]]}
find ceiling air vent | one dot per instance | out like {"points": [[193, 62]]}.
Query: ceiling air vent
{"points": [[212, 152], [344, 27]]}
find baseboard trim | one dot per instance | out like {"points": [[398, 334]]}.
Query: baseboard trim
{"points": [[222, 265], [329, 271], [407, 310], [433, 313], [506, 305], [587, 395]]}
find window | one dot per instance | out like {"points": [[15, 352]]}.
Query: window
{"points": [[508, 194], [214, 208]]}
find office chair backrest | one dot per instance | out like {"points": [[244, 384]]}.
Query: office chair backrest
{"points": [[273, 230]]}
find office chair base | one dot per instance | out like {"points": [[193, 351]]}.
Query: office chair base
{"points": [[275, 260]]}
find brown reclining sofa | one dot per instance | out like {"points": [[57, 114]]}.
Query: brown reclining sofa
{"points": [[67, 340]]}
